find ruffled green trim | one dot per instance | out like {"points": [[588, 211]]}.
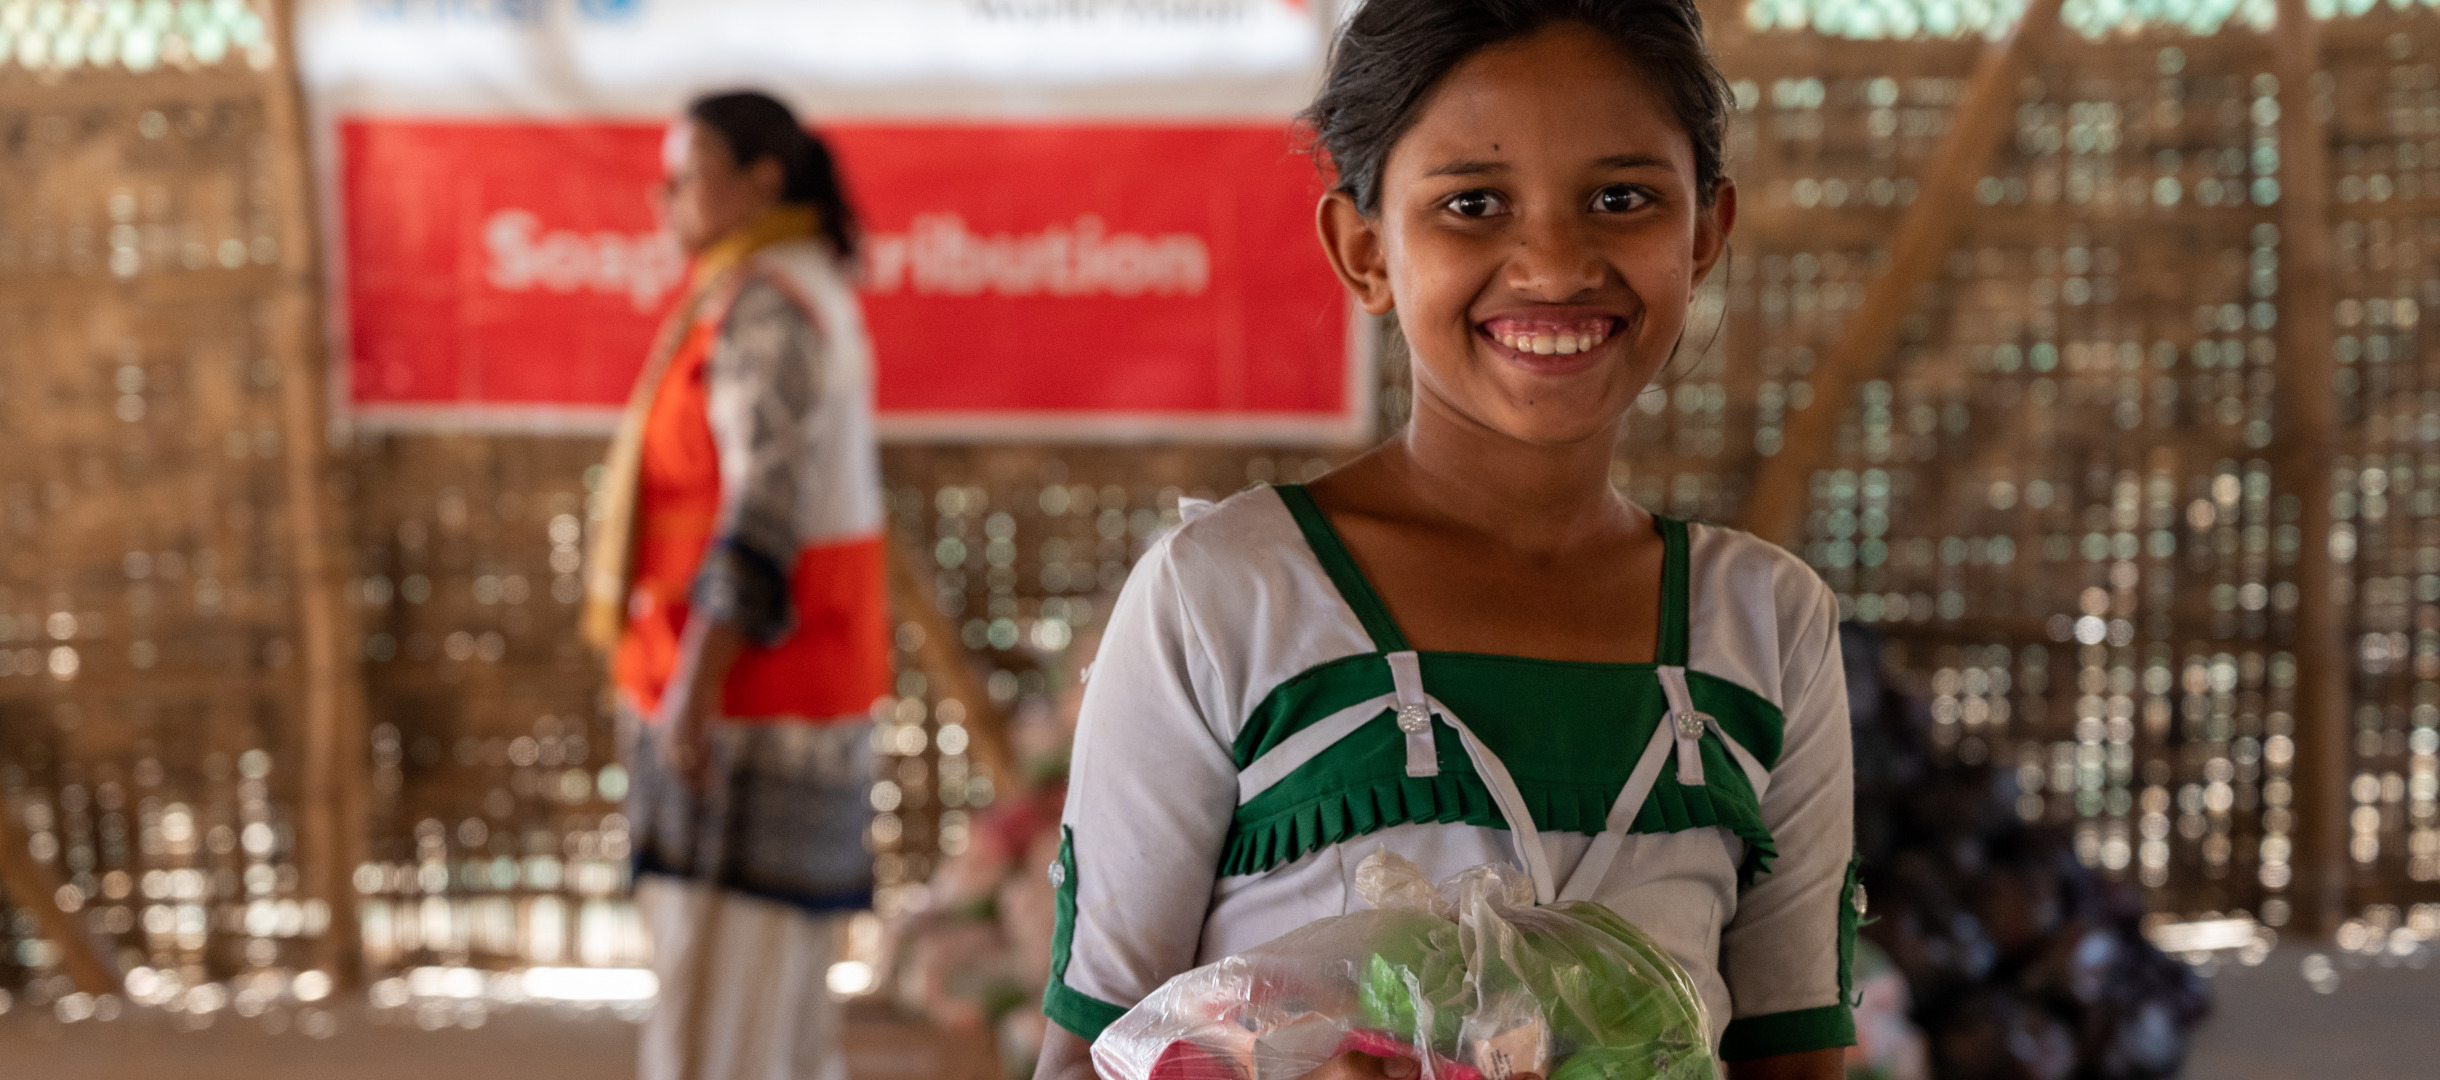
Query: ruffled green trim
{"points": [[1309, 825], [1357, 788], [1725, 800]]}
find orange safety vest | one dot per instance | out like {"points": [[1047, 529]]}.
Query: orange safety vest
{"points": [[835, 663]]}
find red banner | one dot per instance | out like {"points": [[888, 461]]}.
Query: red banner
{"points": [[1019, 279]]}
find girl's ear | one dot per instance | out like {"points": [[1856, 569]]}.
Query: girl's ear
{"points": [[768, 178], [1711, 227], [1353, 243]]}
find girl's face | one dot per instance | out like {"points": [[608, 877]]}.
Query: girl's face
{"points": [[705, 195], [1539, 236]]}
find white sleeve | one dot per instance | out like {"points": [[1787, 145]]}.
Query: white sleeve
{"points": [[1151, 790], [1786, 953]]}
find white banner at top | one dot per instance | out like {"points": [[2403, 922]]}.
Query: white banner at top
{"points": [[837, 59]]}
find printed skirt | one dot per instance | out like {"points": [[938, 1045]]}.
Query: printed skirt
{"points": [[782, 816]]}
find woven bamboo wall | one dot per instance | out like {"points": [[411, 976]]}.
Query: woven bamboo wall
{"points": [[150, 626], [2057, 499]]}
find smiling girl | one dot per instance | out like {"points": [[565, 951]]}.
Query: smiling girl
{"points": [[1464, 645]]}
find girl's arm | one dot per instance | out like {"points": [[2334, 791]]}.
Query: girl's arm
{"points": [[1810, 1065], [1065, 1056], [691, 704], [1786, 951], [1151, 790]]}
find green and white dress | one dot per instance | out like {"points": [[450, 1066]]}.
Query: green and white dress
{"points": [[1255, 725]]}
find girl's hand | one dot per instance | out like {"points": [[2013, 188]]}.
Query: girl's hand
{"points": [[1809, 1065], [1065, 1056], [685, 727], [690, 703]]}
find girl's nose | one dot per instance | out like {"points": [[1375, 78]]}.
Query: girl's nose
{"points": [[1552, 261]]}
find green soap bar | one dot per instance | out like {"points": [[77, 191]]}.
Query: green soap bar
{"points": [[1642, 1063], [1384, 998]]}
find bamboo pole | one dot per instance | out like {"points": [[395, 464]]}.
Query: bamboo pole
{"points": [[2308, 411], [25, 881], [944, 659], [1982, 123], [35, 888], [331, 828]]}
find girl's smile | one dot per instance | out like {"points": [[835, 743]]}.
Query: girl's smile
{"points": [[1550, 341]]}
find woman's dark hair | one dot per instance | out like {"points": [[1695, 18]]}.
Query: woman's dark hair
{"points": [[1394, 51], [754, 126]]}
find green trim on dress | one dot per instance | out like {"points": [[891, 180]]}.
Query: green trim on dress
{"points": [[1078, 1012], [1340, 564], [1074, 1010], [1676, 594], [1793, 1032], [1569, 731], [1569, 761], [1850, 920]]}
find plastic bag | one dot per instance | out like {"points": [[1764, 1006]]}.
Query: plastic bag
{"points": [[1471, 979]]}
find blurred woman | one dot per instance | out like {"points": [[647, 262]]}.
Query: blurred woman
{"points": [[737, 583]]}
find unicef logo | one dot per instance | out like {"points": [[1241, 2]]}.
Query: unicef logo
{"points": [[607, 10]]}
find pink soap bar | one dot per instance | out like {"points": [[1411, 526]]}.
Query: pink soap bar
{"points": [[1186, 1060], [1382, 1044]]}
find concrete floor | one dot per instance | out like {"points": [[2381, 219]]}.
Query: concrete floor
{"points": [[526, 1043], [529, 1044], [2268, 1024]]}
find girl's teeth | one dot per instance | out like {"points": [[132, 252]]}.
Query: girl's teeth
{"points": [[1561, 344]]}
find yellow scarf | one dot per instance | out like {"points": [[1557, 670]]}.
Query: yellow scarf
{"points": [[609, 562]]}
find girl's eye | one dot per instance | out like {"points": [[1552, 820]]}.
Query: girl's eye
{"points": [[1619, 198], [1473, 204]]}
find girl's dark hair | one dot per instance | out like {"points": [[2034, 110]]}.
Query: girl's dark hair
{"points": [[754, 126], [1394, 51]]}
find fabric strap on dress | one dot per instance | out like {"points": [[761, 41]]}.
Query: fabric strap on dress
{"points": [[1686, 723], [1690, 724], [1511, 803], [1673, 731], [1595, 865], [1414, 714]]}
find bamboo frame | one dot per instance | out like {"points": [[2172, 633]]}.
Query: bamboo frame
{"points": [[35, 887], [331, 833], [2307, 446], [1781, 492], [942, 657], [26, 882]]}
